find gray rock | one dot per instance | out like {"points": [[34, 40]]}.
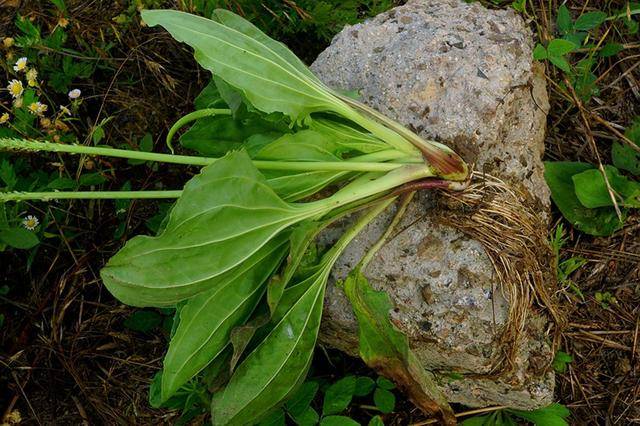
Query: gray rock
{"points": [[463, 75]]}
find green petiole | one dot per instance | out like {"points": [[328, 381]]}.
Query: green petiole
{"points": [[87, 195], [365, 163], [193, 116], [366, 186]]}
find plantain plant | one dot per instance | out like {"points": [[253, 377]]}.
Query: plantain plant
{"points": [[282, 156]]}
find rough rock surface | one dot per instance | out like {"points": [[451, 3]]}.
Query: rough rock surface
{"points": [[463, 75]]}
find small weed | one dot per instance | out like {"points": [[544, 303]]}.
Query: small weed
{"points": [[605, 299], [560, 362], [337, 399], [564, 268], [316, 402], [554, 414]]}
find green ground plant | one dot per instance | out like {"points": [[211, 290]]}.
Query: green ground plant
{"points": [[588, 201], [593, 198], [553, 415], [561, 360]]}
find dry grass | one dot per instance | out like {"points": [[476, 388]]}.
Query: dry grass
{"points": [[66, 357]]}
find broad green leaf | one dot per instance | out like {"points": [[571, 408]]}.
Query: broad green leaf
{"points": [[305, 145], [234, 21], [309, 417], [155, 399], [209, 97], [206, 322], [577, 38], [19, 238], [563, 20], [385, 383], [590, 20], [625, 157], [376, 421], [276, 366], [561, 63], [276, 418], [297, 186], [560, 47], [232, 97], [558, 175], [8, 175], [299, 241], [338, 396], [384, 400], [176, 402], [347, 137], [539, 52], [215, 136], [611, 49], [299, 404], [364, 386], [386, 349], [553, 415], [476, 420], [143, 321], [62, 183], [224, 217], [557, 409], [91, 179], [242, 336], [268, 77], [592, 192], [338, 421]]}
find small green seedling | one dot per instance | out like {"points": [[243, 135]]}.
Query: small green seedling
{"points": [[605, 299], [561, 361]]}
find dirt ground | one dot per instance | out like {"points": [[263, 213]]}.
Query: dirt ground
{"points": [[65, 356]]}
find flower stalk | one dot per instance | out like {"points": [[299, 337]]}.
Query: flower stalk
{"points": [[88, 195], [374, 162]]}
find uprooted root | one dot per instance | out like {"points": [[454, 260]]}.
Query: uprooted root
{"points": [[506, 221]]}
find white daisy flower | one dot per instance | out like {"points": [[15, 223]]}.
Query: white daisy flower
{"points": [[37, 108], [4, 118], [74, 94], [16, 88], [30, 222], [21, 64]]}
